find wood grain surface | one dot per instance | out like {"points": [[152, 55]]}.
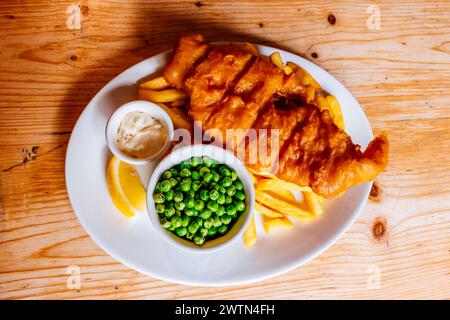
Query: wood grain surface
{"points": [[400, 73]]}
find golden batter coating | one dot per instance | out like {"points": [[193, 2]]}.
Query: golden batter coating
{"points": [[231, 90]]}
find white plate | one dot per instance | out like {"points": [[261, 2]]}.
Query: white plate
{"points": [[136, 244]]}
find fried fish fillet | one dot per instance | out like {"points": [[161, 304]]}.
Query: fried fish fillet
{"points": [[246, 101]]}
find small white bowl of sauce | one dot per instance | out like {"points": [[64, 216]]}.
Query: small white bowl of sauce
{"points": [[139, 132]]}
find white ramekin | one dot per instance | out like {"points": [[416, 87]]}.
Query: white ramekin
{"points": [[151, 109], [221, 156]]}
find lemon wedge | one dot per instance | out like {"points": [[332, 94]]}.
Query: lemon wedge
{"points": [[125, 188]]}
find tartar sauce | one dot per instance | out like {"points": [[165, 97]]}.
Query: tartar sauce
{"points": [[140, 135]]}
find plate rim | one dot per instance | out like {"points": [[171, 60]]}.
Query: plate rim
{"points": [[181, 280]]}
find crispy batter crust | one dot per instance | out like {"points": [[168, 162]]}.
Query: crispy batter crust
{"points": [[229, 89]]}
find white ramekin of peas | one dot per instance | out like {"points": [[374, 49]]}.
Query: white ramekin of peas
{"points": [[200, 197]]}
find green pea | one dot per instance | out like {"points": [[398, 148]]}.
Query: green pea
{"points": [[181, 231], [179, 205], [226, 182], [233, 175], [167, 174], [158, 187], [185, 165], [221, 199], [174, 172], [212, 205], [231, 190], [217, 222], [195, 175], [168, 212], [171, 228], [178, 212], [231, 209], [228, 199], [212, 232], [216, 176], [160, 208], [199, 221], [226, 219], [165, 223], [206, 214], [185, 186], [173, 182], [208, 223], [222, 189], [203, 171], [240, 195], [193, 227], [222, 229], [199, 205], [199, 240], [203, 232], [189, 202], [189, 236], [204, 195], [225, 172], [186, 220], [189, 212], [239, 185], [178, 197], [214, 186], [196, 185], [178, 179], [220, 211], [195, 213], [240, 206], [185, 173], [207, 161], [159, 198], [165, 185], [191, 193], [208, 177], [176, 221], [169, 195], [195, 161], [214, 194]]}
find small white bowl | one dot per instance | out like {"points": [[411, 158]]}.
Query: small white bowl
{"points": [[140, 106], [221, 156]]}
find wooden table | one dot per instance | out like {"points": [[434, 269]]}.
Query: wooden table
{"points": [[399, 70]]}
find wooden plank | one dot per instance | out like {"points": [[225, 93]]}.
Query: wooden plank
{"points": [[399, 74]]}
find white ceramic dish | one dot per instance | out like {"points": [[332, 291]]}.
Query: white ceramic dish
{"points": [[221, 156], [137, 244], [151, 109]]}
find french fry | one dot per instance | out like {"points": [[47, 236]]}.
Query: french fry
{"points": [[262, 174], [288, 70], [155, 84], [276, 223], [310, 94], [284, 194], [267, 212], [304, 76], [276, 60], [314, 202], [249, 47], [290, 208], [179, 119], [254, 180], [250, 236], [336, 111], [331, 104], [178, 103], [167, 95], [276, 184]]}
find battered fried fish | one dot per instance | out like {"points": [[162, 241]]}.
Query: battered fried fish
{"points": [[230, 88]]}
